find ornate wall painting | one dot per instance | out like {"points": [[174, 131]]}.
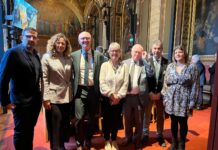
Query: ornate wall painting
{"points": [[205, 41], [54, 17], [24, 15], [69, 27]]}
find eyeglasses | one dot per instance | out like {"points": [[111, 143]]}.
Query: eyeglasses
{"points": [[31, 36], [85, 38]]}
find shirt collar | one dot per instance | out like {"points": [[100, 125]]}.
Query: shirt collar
{"points": [[84, 51], [157, 60], [134, 62]]}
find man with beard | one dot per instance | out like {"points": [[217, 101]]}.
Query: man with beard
{"points": [[21, 68]]}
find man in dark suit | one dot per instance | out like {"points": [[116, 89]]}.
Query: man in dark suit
{"points": [[86, 67], [137, 96], [21, 68], [159, 65]]}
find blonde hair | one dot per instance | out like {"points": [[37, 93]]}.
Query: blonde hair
{"points": [[114, 45], [51, 45]]}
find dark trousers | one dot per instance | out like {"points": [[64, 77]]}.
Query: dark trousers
{"points": [[58, 125], [160, 117], [133, 113], [25, 119], [200, 97], [183, 122], [86, 106], [111, 115]]}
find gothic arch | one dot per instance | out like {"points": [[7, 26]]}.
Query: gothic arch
{"points": [[74, 8], [89, 8], [118, 13]]}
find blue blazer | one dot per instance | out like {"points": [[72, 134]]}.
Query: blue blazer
{"points": [[17, 69]]}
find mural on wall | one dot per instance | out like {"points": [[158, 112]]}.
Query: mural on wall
{"points": [[24, 15], [206, 27], [54, 17], [70, 26]]}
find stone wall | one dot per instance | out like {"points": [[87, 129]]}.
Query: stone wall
{"points": [[154, 21]]}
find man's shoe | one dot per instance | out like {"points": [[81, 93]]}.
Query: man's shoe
{"points": [[161, 141], [126, 142], [114, 146], [62, 148], [172, 147], [79, 145], [145, 140], [137, 146], [107, 145], [181, 145], [199, 108], [174, 144], [79, 148], [87, 144]]}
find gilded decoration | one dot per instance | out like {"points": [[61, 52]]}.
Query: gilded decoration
{"points": [[118, 21], [186, 24], [193, 28], [197, 27], [54, 17], [205, 34]]}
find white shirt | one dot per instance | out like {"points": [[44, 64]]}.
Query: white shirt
{"points": [[82, 69], [114, 81], [135, 86], [157, 65]]}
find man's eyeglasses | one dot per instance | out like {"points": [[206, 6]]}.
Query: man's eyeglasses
{"points": [[85, 38], [31, 36]]}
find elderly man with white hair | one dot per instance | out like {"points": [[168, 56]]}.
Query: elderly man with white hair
{"points": [[135, 100]]}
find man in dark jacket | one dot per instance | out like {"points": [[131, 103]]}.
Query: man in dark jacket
{"points": [[159, 65], [21, 68], [137, 96]]}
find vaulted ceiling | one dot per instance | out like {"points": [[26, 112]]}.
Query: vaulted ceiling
{"points": [[80, 8]]}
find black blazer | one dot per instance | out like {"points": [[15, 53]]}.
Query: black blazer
{"points": [[155, 86], [17, 69]]}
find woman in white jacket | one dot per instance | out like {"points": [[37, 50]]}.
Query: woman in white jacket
{"points": [[114, 77]]}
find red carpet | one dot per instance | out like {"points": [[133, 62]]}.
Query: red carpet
{"points": [[196, 140]]}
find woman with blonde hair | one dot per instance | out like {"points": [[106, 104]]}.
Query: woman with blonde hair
{"points": [[56, 66], [113, 86]]}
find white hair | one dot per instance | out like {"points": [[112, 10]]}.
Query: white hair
{"points": [[195, 58]]}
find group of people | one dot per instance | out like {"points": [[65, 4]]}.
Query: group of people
{"points": [[70, 85]]}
